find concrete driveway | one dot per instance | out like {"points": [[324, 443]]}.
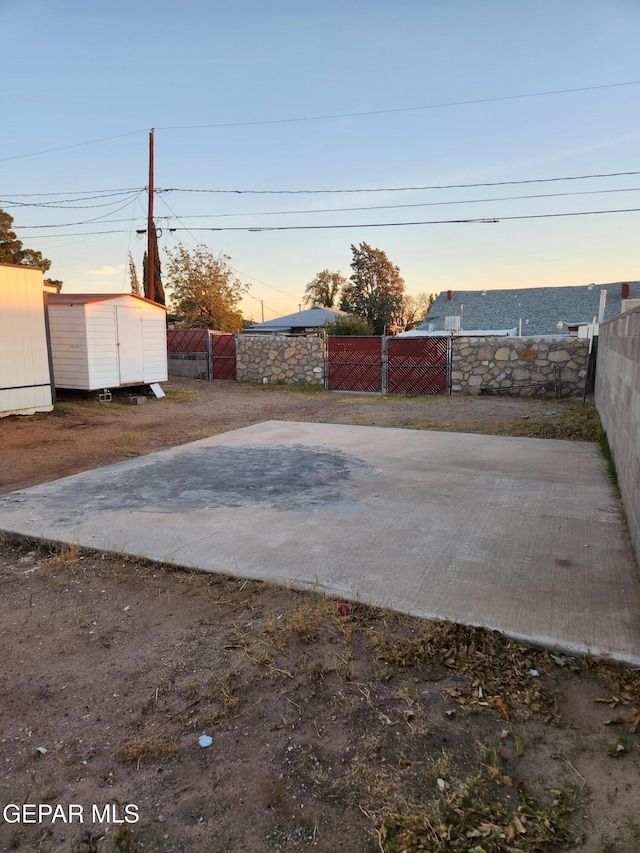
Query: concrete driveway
{"points": [[522, 535]]}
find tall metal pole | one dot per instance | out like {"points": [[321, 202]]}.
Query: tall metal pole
{"points": [[151, 229]]}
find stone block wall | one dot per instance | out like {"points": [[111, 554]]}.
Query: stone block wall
{"points": [[279, 359], [527, 367], [618, 402]]}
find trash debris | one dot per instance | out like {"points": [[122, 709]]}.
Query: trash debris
{"points": [[42, 750], [551, 412], [442, 784], [205, 740], [534, 673]]}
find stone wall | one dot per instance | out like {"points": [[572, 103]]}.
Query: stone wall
{"points": [[279, 359], [618, 402], [527, 367]]}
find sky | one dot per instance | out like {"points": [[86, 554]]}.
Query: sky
{"points": [[263, 110]]}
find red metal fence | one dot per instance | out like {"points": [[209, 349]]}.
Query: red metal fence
{"points": [[220, 347], [393, 365], [223, 356], [354, 363], [417, 365], [187, 340]]}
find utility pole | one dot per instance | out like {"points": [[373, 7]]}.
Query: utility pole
{"points": [[151, 228]]}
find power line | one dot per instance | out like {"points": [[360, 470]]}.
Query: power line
{"points": [[89, 193], [479, 221], [74, 145], [400, 206], [404, 189], [441, 105], [129, 201], [403, 109]]}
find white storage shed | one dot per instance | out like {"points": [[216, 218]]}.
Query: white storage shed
{"points": [[102, 341], [25, 368]]}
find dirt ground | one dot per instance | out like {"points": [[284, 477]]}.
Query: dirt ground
{"points": [[332, 726]]}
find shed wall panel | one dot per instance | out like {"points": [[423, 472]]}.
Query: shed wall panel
{"points": [[102, 344], [69, 346], [25, 373]]}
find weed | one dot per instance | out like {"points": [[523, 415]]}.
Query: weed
{"points": [[605, 449], [127, 441], [148, 750]]}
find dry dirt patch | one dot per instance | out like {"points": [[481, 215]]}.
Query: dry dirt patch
{"points": [[332, 726]]}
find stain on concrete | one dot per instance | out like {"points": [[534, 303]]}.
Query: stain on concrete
{"points": [[297, 478]]}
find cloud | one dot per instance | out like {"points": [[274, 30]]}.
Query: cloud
{"points": [[107, 270]]}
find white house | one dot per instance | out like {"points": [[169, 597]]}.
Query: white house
{"points": [[25, 369], [106, 340]]}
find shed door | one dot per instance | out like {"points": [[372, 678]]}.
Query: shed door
{"points": [[130, 349]]}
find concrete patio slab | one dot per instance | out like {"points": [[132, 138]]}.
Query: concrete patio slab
{"points": [[522, 535]]}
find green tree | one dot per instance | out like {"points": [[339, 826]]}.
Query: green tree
{"points": [[324, 289], [158, 289], [134, 281], [375, 288], [348, 325], [13, 252], [204, 291]]}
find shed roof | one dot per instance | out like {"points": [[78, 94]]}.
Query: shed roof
{"points": [[86, 298]]}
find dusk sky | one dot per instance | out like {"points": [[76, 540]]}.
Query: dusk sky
{"points": [[288, 97]]}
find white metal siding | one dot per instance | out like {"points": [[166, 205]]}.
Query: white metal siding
{"points": [[69, 346], [154, 334], [85, 342], [25, 376], [102, 345]]}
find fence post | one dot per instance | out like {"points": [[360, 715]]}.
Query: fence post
{"points": [[384, 367]]}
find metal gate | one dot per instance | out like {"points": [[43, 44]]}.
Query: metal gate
{"points": [[223, 356], [389, 365], [354, 363], [215, 350], [418, 365]]}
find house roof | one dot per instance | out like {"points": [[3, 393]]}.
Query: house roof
{"points": [[311, 318], [539, 308], [86, 298]]}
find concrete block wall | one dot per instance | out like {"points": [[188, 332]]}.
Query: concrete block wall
{"points": [[617, 396], [521, 366], [280, 359], [193, 365]]}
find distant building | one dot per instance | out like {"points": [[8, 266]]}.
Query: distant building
{"points": [[301, 323], [533, 310]]}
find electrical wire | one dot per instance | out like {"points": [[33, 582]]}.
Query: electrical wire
{"points": [[86, 221], [482, 221], [74, 145], [406, 189], [401, 206], [238, 272], [421, 222], [403, 109], [329, 116]]}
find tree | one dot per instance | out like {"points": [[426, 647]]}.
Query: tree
{"points": [[375, 288], [325, 289], [204, 291], [133, 277], [13, 252], [158, 289], [414, 309], [348, 325]]}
